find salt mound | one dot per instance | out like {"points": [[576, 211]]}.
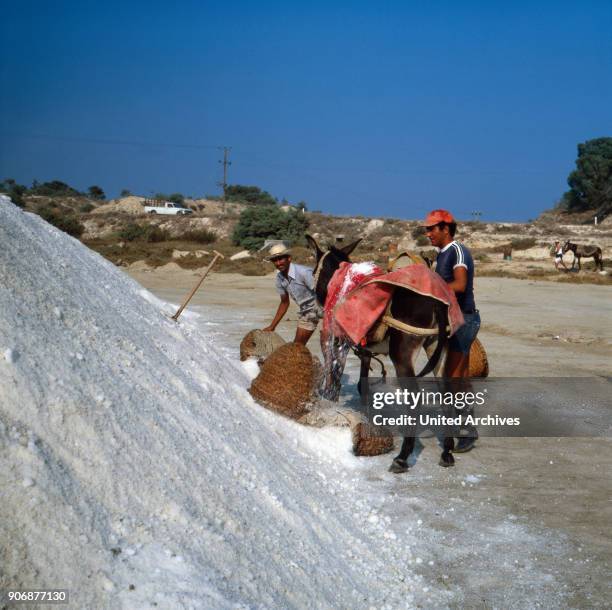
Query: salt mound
{"points": [[137, 471]]}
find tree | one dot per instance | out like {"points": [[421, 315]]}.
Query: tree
{"points": [[175, 197], [248, 194], [591, 182], [55, 188], [258, 223], [95, 192], [125, 193]]}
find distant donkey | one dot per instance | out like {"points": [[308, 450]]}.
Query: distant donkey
{"points": [[579, 251]]}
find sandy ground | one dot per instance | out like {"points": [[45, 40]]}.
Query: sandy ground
{"points": [[530, 328], [540, 507]]}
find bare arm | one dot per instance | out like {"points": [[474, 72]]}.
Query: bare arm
{"points": [[460, 278], [280, 312]]}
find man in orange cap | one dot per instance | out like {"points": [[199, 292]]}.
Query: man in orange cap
{"points": [[456, 266]]}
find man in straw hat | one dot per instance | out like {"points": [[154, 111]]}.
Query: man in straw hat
{"points": [[456, 266], [295, 281]]}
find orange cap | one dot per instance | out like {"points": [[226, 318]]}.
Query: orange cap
{"points": [[436, 216]]}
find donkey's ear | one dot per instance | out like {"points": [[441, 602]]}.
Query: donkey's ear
{"points": [[314, 245], [350, 247]]}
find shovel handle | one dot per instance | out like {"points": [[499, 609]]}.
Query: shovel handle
{"points": [[198, 284]]}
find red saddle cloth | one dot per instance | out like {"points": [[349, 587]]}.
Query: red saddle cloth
{"points": [[356, 301]]}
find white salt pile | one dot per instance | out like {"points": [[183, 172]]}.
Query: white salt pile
{"points": [[137, 472]]}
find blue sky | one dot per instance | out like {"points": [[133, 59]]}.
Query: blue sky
{"points": [[372, 108]]}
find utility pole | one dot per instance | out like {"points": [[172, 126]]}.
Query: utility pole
{"points": [[225, 162], [476, 215]]}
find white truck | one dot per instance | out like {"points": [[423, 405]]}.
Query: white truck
{"points": [[167, 207]]}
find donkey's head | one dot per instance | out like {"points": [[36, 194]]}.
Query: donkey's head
{"points": [[334, 350], [567, 246], [327, 264]]}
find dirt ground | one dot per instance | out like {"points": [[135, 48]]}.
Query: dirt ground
{"points": [[534, 514], [529, 328]]}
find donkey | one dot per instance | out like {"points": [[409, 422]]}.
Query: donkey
{"points": [[407, 307], [580, 250]]}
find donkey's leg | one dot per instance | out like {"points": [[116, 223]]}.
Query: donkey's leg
{"points": [[447, 459], [579, 265], [400, 463], [362, 385], [402, 351]]}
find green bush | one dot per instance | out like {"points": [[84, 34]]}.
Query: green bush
{"points": [[201, 236], [67, 223], [14, 191], [86, 208], [147, 232], [156, 235], [258, 223], [174, 197], [421, 240], [248, 194]]}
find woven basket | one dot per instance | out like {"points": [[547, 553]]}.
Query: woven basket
{"points": [[370, 441], [287, 381], [259, 344], [479, 364]]}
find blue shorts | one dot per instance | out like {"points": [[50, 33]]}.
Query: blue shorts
{"points": [[462, 340]]}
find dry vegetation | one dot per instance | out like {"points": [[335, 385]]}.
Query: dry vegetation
{"points": [[122, 233]]}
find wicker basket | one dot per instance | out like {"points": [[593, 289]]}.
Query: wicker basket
{"points": [[287, 381], [479, 365], [259, 344], [369, 441]]}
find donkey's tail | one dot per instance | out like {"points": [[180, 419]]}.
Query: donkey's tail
{"points": [[441, 311]]}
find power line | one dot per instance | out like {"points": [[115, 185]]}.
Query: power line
{"points": [[109, 141]]}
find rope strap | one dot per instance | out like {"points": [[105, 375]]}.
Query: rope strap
{"points": [[411, 330]]}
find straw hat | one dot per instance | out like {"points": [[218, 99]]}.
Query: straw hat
{"points": [[277, 251]]}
